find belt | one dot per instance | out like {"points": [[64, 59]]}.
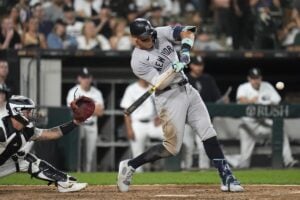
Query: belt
{"points": [[181, 83], [144, 120]]}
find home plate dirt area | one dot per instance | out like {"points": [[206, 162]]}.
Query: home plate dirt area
{"points": [[171, 192]]}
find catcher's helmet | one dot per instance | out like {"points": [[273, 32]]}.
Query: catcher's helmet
{"points": [[142, 28], [16, 104]]}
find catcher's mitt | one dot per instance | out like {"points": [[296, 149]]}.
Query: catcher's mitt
{"points": [[82, 107]]}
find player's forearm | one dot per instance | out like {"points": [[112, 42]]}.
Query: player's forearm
{"points": [[57, 132], [127, 120], [244, 100], [50, 134], [187, 41]]}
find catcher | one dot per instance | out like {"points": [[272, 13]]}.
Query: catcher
{"points": [[17, 133]]}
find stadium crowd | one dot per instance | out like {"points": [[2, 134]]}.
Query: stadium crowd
{"points": [[103, 24]]}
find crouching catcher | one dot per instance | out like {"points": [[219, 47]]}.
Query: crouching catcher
{"points": [[17, 135]]}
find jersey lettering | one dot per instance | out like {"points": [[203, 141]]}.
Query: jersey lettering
{"points": [[160, 63], [167, 50]]}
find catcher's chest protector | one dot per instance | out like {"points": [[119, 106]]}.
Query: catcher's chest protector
{"points": [[10, 140]]}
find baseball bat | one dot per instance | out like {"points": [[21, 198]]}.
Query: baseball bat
{"points": [[147, 94]]}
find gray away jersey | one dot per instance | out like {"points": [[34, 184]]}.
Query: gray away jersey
{"points": [[149, 64]]}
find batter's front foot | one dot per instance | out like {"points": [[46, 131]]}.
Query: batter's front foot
{"points": [[231, 185], [124, 176]]}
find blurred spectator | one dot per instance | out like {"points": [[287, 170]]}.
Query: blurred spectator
{"points": [[119, 8], [45, 26], [171, 8], [256, 91], [4, 70], [268, 21], [202, 6], [242, 22], [156, 17], [204, 42], [58, 39], [3, 98], [87, 8], [74, 27], [69, 4], [207, 87], [32, 37], [290, 31], [9, 37], [121, 39], [24, 10], [131, 12], [90, 39], [296, 4], [104, 21], [15, 16], [143, 5], [168, 7], [222, 20], [194, 19], [146, 5], [54, 11]]}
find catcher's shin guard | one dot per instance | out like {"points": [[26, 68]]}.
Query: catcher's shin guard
{"points": [[40, 169]]}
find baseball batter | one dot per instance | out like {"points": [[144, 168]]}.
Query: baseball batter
{"points": [[17, 134], [177, 102]]}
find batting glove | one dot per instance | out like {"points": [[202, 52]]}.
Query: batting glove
{"points": [[185, 56], [178, 66]]}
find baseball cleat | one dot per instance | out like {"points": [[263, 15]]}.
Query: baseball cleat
{"points": [[228, 182], [231, 185], [70, 186], [124, 176]]}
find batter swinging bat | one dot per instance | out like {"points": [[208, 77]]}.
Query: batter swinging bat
{"points": [[147, 94]]}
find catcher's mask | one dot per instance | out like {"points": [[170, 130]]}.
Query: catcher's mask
{"points": [[22, 109]]}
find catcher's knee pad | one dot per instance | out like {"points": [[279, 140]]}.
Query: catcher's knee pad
{"points": [[40, 169]]}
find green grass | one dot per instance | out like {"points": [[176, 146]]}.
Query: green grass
{"points": [[254, 176]]}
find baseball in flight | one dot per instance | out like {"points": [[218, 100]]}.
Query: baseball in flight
{"points": [[280, 85]]}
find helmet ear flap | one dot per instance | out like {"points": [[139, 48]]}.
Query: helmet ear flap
{"points": [[154, 34]]}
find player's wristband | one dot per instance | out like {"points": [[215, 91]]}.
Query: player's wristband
{"points": [[67, 127], [186, 44]]}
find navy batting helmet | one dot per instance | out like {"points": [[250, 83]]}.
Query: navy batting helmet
{"points": [[142, 28]]}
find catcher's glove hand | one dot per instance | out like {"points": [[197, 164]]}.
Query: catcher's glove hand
{"points": [[82, 107]]}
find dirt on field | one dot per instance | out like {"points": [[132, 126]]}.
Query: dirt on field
{"points": [[155, 192]]}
